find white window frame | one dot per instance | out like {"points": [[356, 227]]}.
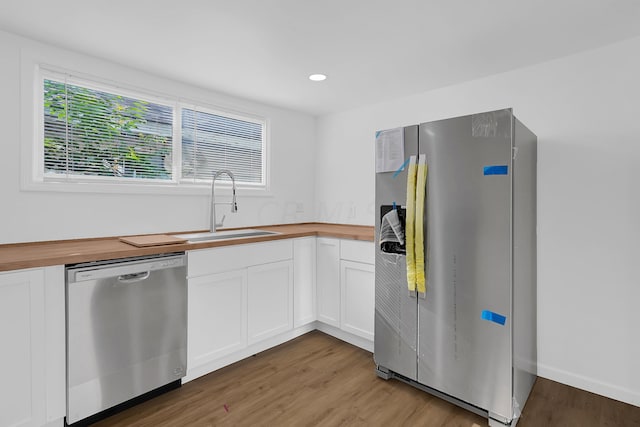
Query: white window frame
{"points": [[32, 155]]}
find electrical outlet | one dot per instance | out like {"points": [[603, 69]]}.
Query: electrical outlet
{"points": [[299, 207]]}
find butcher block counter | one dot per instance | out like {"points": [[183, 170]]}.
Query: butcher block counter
{"points": [[40, 254]]}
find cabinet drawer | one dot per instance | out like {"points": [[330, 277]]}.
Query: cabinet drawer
{"points": [[357, 250], [217, 260]]}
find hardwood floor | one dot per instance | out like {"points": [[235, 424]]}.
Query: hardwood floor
{"points": [[317, 380]]}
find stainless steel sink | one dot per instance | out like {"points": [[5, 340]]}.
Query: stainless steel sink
{"points": [[225, 235]]}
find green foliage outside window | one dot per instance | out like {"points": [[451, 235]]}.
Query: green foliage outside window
{"points": [[89, 132]]}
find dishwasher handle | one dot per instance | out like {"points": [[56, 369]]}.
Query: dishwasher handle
{"points": [[134, 277]]}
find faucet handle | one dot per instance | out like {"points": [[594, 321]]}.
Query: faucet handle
{"points": [[221, 223]]}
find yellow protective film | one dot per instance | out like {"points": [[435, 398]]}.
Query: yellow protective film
{"points": [[421, 183], [410, 222]]}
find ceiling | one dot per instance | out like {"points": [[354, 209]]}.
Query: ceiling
{"points": [[371, 50]]}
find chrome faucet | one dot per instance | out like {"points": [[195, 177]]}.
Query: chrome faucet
{"points": [[234, 205]]}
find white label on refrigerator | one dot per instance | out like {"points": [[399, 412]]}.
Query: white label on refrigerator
{"points": [[389, 150]]}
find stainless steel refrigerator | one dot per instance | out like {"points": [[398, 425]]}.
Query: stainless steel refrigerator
{"points": [[467, 333]]}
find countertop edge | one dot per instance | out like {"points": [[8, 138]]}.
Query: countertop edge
{"points": [[18, 256]]}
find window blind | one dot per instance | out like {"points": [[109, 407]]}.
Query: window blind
{"points": [[213, 141], [90, 133]]}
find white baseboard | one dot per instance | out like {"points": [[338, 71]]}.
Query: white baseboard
{"points": [[589, 384]]}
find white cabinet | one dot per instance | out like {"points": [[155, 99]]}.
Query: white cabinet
{"points": [[217, 316], [270, 300], [328, 280], [32, 329], [246, 298], [346, 290], [358, 298], [304, 281], [239, 296]]}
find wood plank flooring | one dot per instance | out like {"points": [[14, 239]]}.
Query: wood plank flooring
{"points": [[317, 380]]}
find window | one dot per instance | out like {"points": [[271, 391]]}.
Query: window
{"points": [[96, 133], [92, 133], [211, 142]]}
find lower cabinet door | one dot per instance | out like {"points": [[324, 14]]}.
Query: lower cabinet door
{"points": [[304, 281], [217, 316], [328, 281], [22, 328], [358, 298], [270, 300]]}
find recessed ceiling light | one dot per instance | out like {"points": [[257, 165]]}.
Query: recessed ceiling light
{"points": [[317, 77]]}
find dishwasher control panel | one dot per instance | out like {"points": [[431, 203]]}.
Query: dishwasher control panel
{"points": [[102, 269]]}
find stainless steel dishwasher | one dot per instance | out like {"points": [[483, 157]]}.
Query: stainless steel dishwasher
{"points": [[126, 332]]}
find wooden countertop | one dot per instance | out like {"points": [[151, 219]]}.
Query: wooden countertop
{"points": [[40, 254]]}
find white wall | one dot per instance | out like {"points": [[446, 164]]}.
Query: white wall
{"points": [[31, 216], [585, 110]]}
